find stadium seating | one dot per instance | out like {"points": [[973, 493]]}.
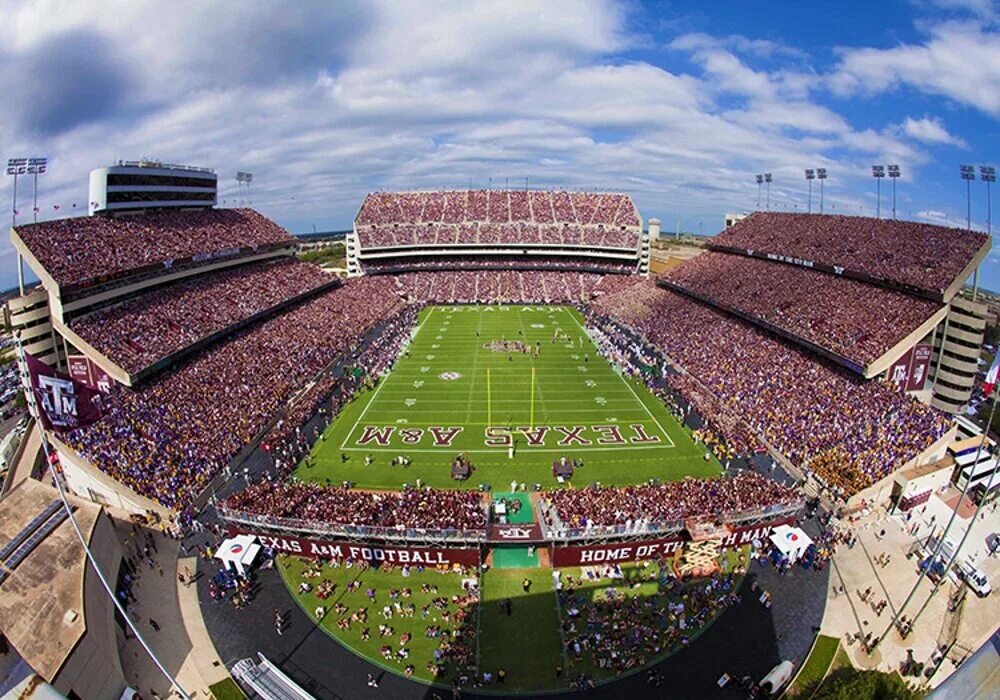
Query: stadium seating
{"points": [[94, 248], [498, 217], [152, 326], [908, 253], [400, 263], [168, 439], [423, 509], [851, 319], [811, 410], [652, 507]]}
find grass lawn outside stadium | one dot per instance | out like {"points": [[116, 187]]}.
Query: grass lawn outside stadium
{"points": [[451, 386]]}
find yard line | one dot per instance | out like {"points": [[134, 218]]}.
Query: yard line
{"points": [[385, 380], [625, 382], [475, 365]]}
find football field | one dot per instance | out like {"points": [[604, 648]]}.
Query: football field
{"points": [[513, 388]]}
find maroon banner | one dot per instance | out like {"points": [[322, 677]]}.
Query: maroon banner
{"points": [[332, 549], [525, 532], [83, 369], [920, 364], [899, 371], [583, 555], [64, 403]]}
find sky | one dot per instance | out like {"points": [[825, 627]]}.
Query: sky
{"points": [[677, 104]]}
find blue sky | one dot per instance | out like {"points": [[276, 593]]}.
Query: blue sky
{"points": [[679, 104]]}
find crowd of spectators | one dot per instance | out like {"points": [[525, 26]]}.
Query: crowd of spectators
{"points": [[804, 406], [851, 319], [485, 286], [287, 442], [148, 327], [498, 207], [650, 506], [419, 509], [168, 439], [83, 249], [520, 262], [910, 253], [611, 618], [486, 234]]}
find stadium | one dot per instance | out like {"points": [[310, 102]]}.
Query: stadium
{"points": [[498, 455]]}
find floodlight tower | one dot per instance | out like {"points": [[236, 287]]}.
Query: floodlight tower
{"points": [[248, 178], [810, 176], [878, 172], [988, 174], [820, 175], [767, 180], [968, 173], [760, 182], [893, 175]]}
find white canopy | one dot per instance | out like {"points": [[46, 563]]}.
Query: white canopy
{"points": [[238, 552], [790, 541]]}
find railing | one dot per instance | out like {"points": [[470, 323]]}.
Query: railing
{"points": [[558, 531], [353, 531]]}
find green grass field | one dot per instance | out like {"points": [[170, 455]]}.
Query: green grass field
{"points": [[451, 392]]}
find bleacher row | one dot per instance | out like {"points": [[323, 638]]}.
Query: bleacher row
{"points": [[484, 286], [908, 253], [87, 249], [498, 207], [851, 319], [146, 328], [823, 417], [402, 263], [486, 234]]}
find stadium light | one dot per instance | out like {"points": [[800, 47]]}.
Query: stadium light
{"points": [[893, 175], [767, 181], [820, 175], [243, 179], [878, 172], [810, 176], [988, 174], [968, 173], [36, 167], [760, 182]]}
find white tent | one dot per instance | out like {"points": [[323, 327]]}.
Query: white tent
{"points": [[790, 541], [238, 553]]}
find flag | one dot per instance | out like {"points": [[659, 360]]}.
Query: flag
{"points": [[991, 376], [64, 404]]}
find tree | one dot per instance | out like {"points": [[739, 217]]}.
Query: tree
{"points": [[849, 684]]}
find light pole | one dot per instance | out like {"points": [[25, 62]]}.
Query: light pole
{"points": [[15, 167], [767, 180], [36, 167], [878, 172], [893, 175], [810, 175], [968, 174], [820, 175], [988, 174], [760, 181], [243, 178]]}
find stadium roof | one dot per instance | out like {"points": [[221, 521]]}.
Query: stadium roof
{"points": [[88, 250], [41, 600], [922, 258]]}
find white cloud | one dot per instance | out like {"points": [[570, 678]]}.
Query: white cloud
{"points": [[930, 130], [959, 61], [406, 95]]}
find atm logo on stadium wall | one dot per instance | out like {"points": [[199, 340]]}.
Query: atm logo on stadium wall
{"points": [[63, 403], [504, 437]]}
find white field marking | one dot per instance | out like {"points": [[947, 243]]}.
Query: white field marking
{"points": [[629, 386], [475, 370], [503, 450], [385, 380]]}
